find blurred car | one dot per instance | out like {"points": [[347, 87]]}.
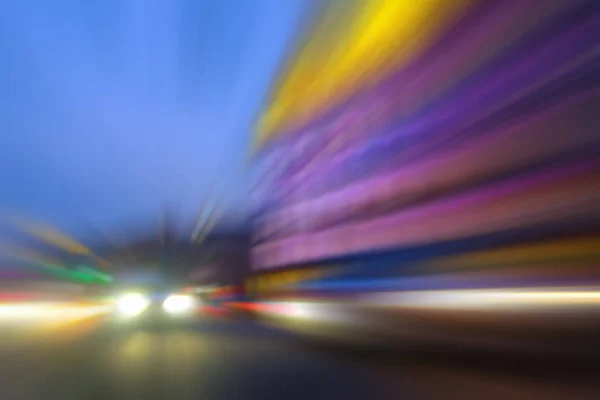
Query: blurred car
{"points": [[155, 305]]}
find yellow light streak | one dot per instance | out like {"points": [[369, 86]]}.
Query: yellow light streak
{"points": [[337, 60]]}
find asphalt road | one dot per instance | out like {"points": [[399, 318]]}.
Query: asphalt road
{"points": [[222, 359]]}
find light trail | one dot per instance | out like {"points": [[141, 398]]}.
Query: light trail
{"points": [[53, 312], [488, 299]]}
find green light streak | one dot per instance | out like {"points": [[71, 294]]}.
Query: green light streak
{"points": [[84, 274]]}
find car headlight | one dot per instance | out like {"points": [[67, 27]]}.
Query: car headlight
{"points": [[132, 304], [178, 303]]}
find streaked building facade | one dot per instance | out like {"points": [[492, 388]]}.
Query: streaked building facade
{"points": [[433, 145]]}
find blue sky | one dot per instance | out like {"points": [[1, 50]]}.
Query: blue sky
{"points": [[111, 109]]}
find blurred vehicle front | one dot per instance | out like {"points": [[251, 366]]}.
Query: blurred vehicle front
{"points": [[155, 306]]}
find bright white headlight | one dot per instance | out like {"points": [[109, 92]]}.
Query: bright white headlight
{"points": [[178, 303], [132, 304]]}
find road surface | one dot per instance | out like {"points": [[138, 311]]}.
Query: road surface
{"points": [[223, 359]]}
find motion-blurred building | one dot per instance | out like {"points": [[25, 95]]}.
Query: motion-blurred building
{"points": [[435, 155], [221, 259]]}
